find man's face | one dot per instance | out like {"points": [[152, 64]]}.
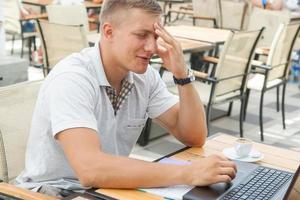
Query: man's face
{"points": [[134, 40]]}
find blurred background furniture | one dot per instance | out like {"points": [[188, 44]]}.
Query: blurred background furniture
{"points": [[14, 26], [2, 34], [59, 41], [69, 15], [233, 14], [43, 3], [207, 13], [13, 70], [215, 13], [226, 83], [16, 108], [270, 19], [274, 72]]}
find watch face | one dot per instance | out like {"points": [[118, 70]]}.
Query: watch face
{"points": [[193, 78], [191, 75]]}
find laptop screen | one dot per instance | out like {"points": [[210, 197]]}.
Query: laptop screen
{"points": [[293, 192]]}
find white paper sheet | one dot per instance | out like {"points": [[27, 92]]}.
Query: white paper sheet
{"points": [[173, 192]]}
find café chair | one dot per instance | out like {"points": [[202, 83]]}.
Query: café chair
{"points": [[273, 72], [186, 9], [68, 15], [270, 19], [16, 108], [233, 14], [13, 25], [228, 82], [205, 13], [59, 41]]}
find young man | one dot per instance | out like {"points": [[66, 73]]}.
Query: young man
{"points": [[94, 104]]}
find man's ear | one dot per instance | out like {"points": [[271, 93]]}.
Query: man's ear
{"points": [[107, 31]]}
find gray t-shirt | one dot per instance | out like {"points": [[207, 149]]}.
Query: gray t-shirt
{"points": [[73, 95]]}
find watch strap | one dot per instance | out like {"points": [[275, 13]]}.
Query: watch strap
{"points": [[184, 81]]}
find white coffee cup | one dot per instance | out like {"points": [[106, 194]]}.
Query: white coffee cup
{"points": [[242, 147]]}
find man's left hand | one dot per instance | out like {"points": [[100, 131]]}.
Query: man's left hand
{"points": [[169, 49]]}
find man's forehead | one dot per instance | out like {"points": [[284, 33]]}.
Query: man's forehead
{"points": [[138, 14], [137, 20], [146, 31]]}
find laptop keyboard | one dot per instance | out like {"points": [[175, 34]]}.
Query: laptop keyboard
{"points": [[262, 184]]}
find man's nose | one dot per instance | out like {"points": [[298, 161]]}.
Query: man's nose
{"points": [[151, 45]]}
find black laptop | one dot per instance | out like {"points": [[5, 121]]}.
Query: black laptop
{"points": [[252, 182]]}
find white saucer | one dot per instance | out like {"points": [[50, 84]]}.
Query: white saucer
{"points": [[253, 156]]}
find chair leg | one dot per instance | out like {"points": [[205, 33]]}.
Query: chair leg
{"points": [[229, 108], [283, 105], [208, 112], [261, 116], [12, 45], [206, 65], [34, 43], [44, 71], [29, 49], [22, 49], [277, 98], [246, 103], [242, 116]]}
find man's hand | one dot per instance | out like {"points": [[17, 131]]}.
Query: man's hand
{"points": [[210, 170], [170, 52]]}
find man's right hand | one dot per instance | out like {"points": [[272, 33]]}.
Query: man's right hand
{"points": [[210, 170]]}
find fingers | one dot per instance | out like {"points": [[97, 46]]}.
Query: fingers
{"points": [[229, 171], [224, 178], [170, 51], [229, 164], [163, 45], [224, 168], [227, 167], [213, 169], [161, 32]]}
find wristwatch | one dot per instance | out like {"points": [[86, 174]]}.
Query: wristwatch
{"points": [[187, 80]]}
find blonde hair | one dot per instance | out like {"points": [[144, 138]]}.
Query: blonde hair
{"points": [[111, 7]]}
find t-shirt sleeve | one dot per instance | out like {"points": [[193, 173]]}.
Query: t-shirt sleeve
{"points": [[71, 102], [160, 99]]}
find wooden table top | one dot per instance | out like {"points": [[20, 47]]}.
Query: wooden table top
{"points": [[273, 157], [211, 35], [43, 3], [22, 193], [295, 16], [186, 44]]}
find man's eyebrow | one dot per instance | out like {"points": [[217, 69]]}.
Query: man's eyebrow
{"points": [[146, 31]]}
